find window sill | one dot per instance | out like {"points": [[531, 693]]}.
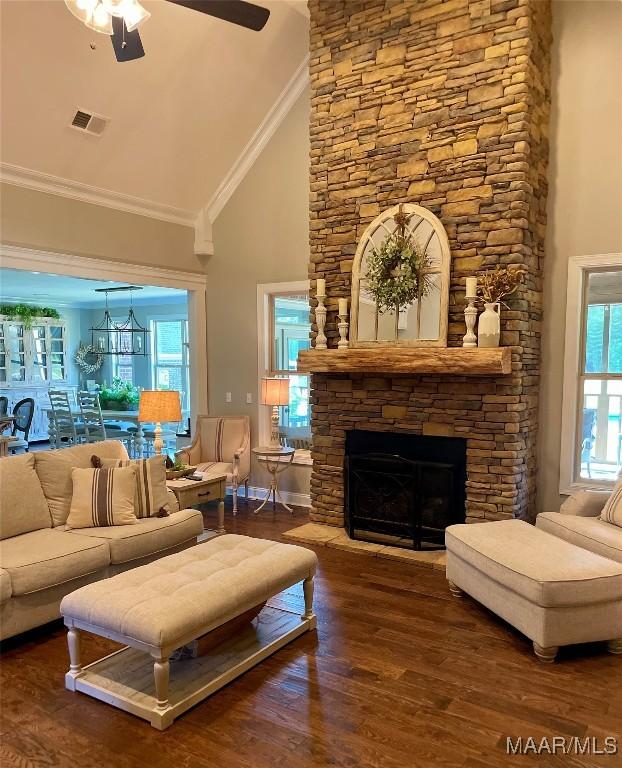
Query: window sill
{"points": [[587, 485]]}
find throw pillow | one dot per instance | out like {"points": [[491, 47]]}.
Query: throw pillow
{"points": [[151, 499], [102, 497], [612, 511]]}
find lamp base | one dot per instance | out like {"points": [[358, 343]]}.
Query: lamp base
{"points": [[274, 431], [158, 443]]}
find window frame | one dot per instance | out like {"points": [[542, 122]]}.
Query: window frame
{"points": [[185, 354], [265, 358], [579, 268]]}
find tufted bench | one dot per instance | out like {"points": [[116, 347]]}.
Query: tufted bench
{"points": [[157, 608], [552, 591]]}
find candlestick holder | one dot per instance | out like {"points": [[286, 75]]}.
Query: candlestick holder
{"points": [[470, 315], [343, 332], [320, 319]]}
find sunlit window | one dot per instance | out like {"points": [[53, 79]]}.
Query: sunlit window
{"points": [[169, 359]]}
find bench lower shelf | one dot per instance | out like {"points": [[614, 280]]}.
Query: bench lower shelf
{"points": [[125, 678]]}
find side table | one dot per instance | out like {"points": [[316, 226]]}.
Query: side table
{"points": [[190, 493], [274, 465]]}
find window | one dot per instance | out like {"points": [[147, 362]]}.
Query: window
{"points": [[595, 388], [123, 365], [170, 370], [289, 333]]}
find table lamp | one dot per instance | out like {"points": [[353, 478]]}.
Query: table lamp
{"points": [[274, 392], [160, 405]]}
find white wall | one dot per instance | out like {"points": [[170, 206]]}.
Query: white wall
{"points": [[585, 187]]}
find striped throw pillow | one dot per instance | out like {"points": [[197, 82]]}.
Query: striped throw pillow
{"points": [[612, 511], [151, 499], [102, 497]]}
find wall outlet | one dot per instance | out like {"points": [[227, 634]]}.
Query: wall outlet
{"points": [[249, 397], [227, 397]]}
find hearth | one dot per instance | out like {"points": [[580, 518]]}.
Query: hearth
{"points": [[403, 489]]}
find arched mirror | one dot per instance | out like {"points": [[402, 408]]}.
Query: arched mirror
{"points": [[423, 321]]}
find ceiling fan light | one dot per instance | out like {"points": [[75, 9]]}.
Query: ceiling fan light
{"points": [[134, 14], [100, 21], [81, 9]]}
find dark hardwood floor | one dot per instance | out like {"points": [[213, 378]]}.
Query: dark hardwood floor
{"points": [[399, 675]]}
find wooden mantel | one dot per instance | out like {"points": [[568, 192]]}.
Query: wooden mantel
{"points": [[459, 361]]}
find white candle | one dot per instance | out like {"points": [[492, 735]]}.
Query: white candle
{"points": [[471, 287], [320, 288], [343, 306]]}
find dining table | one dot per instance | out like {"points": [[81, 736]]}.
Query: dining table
{"points": [[5, 442], [108, 415]]}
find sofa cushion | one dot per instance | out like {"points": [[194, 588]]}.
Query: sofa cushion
{"points": [[42, 559], [5, 586], [54, 471], [102, 497], [23, 507], [151, 496], [148, 536], [588, 532], [544, 569], [585, 503], [612, 511]]}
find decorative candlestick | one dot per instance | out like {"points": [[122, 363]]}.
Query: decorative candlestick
{"points": [[343, 330], [320, 319], [470, 313]]}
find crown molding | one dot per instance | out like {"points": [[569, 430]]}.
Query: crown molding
{"points": [[75, 190], [260, 138]]}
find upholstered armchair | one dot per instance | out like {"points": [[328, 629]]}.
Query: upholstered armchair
{"points": [[221, 445]]}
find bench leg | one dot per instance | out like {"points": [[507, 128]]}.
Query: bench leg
{"points": [[546, 655], [615, 646], [75, 663], [161, 673], [454, 589], [307, 588]]}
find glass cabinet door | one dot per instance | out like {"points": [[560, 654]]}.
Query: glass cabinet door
{"points": [[3, 360], [16, 357], [39, 351], [57, 352]]}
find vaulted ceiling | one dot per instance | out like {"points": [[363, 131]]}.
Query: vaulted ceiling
{"points": [[179, 118]]}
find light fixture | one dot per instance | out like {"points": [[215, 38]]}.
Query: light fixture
{"points": [[274, 392], [161, 406], [126, 338], [97, 14]]}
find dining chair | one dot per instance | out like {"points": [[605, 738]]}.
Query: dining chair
{"points": [[93, 421], [22, 420], [4, 405], [63, 426]]}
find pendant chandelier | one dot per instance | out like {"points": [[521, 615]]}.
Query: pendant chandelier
{"points": [[126, 338], [97, 14]]}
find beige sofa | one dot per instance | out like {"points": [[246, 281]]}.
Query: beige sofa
{"points": [[578, 522], [41, 561]]}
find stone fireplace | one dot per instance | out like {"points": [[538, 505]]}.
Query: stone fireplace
{"points": [[444, 104]]}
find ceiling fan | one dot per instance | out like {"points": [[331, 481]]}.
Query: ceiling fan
{"points": [[121, 18]]}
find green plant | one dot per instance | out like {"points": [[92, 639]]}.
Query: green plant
{"points": [[26, 313], [123, 392]]}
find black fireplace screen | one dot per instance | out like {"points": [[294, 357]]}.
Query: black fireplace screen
{"points": [[397, 496]]}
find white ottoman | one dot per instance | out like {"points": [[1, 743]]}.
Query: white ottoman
{"points": [[169, 603], [552, 591]]}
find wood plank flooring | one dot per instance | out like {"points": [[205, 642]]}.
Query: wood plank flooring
{"points": [[399, 675]]}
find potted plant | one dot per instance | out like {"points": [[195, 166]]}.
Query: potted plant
{"points": [[120, 396]]}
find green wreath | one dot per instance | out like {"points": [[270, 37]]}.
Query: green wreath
{"points": [[88, 359], [395, 271]]}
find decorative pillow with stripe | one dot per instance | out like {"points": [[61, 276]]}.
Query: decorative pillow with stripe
{"points": [[102, 497], [151, 498], [612, 511]]}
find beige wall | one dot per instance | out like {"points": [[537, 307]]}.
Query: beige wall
{"points": [[261, 236], [52, 223], [585, 194]]}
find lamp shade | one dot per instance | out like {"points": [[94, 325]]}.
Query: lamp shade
{"points": [[274, 391], [160, 405]]}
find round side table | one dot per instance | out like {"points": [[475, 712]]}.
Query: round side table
{"points": [[273, 457]]}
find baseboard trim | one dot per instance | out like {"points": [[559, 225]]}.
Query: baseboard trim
{"points": [[295, 499]]}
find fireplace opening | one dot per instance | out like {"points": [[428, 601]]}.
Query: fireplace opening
{"points": [[403, 489]]}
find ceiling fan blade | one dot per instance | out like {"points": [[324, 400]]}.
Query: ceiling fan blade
{"points": [[127, 45], [237, 12]]}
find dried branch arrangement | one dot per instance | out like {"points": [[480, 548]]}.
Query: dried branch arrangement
{"points": [[495, 284]]}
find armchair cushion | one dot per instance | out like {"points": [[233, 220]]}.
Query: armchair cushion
{"points": [[585, 503], [216, 468], [612, 511]]}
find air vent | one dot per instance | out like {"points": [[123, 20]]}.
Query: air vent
{"points": [[88, 122]]}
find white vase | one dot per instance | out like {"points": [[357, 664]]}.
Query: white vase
{"points": [[489, 326]]}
